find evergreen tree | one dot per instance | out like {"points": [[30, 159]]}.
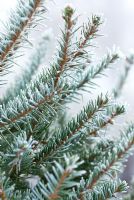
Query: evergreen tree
{"points": [[43, 154]]}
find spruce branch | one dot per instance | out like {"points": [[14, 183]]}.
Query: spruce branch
{"points": [[106, 190], [59, 180], [39, 97], [88, 32], [102, 120], [34, 148], [64, 56], [35, 61], [42, 98], [20, 107], [122, 79], [130, 194], [19, 23], [19, 155], [115, 157], [27, 102], [22, 110], [6, 188], [70, 57], [74, 129], [85, 79], [94, 134]]}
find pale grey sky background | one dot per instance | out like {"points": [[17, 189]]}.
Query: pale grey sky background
{"points": [[118, 29]]}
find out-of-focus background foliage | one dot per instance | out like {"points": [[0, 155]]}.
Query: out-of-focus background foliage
{"points": [[118, 29]]}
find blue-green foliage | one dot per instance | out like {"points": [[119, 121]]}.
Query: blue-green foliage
{"points": [[78, 160]]}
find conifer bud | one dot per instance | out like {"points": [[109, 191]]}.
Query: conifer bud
{"points": [[96, 20], [68, 12]]}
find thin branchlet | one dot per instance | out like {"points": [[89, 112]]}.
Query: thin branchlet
{"points": [[68, 13], [33, 63], [105, 190], [104, 171], [103, 122], [2, 195], [123, 77], [17, 29], [55, 195], [67, 16], [89, 31], [74, 127]]}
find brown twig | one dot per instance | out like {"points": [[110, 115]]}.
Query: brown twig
{"points": [[73, 132], [109, 121], [17, 35], [69, 23], [104, 171], [26, 112], [2, 194], [55, 194]]}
